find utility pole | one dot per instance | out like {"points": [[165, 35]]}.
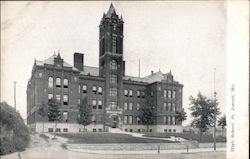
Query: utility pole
{"points": [[15, 94], [214, 113]]}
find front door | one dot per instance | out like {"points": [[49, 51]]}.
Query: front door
{"points": [[114, 121]]}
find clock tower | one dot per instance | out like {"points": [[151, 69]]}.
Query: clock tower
{"points": [[111, 65]]}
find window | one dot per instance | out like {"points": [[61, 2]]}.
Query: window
{"points": [[113, 92], [94, 119], [138, 94], [130, 93], [165, 106], [173, 95], [138, 121], [169, 120], [143, 94], [65, 99], [165, 93], [99, 90], [125, 119], [65, 116], [79, 89], [125, 93], [58, 130], [174, 130], [50, 129], [94, 104], [94, 89], [169, 107], [152, 94], [79, 101], [170, 130], [114, 44], [173, 107], [65, 129], [130, 119], [113, 78], [50, 82], [40, 74], [99, 104], [113, 65], [84, 89], [169, 94], [164, 119], [130, 130], [58, 82], [125, 106], [50, 96], [173, 120], [58, 97], [113, 105], [65, 83], [130, 106], [94, 130], [138, 130], [100, 130], [138, 106]]}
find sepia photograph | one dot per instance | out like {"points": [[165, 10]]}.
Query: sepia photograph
{"points": [[124, 79]]}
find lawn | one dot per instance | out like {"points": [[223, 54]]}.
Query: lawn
{"points": [[108, 138], [189, 136]]}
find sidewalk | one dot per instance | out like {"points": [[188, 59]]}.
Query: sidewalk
{"points": [[197, 150]]}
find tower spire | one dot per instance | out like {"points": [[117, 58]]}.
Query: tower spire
{"points": [[110, 11]]}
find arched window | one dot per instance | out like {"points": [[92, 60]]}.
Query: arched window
{"points": [[58, 82], [84, 89], [50, 82], [113, 65], [65, 83]]}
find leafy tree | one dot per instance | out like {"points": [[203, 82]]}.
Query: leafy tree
{"points": [[222, 122], [203, 112], [54, 113], [43, 112], [147, 115], [181, 115], [85, 111]]}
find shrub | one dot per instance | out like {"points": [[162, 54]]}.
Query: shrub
{"points": [[16, 135]]}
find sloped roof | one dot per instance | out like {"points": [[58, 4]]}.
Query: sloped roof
{"points": [[50, 61], [110, 11], [90, 70]]}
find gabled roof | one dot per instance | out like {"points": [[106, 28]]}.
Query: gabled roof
{"points": [[50, 61]]}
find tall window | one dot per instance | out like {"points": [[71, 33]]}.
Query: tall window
{"points": [[173, 107], [169, 94], [169, 107], [143, 94], [84, 89], [125, 119], [99, 90], [130, 93], [130, 119], [125, 106], [173, 95], [173, 120], [138, 106], [113, 65], [94, 104], [165, 93], [169, 120], [65, 116], [138, 94], [164, 119], [114, 44], [65, 83], [99, 104], [58, 98], [50, 82], [130, 106], [125, 93], [50, 96], [94, 89], [113, 78], [65, 100], [113, 92], [58, 82], [165, 107], [138, 121], [113, 105]]}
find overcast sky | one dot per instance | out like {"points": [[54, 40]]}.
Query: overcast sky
{"points": [[188, 38]]}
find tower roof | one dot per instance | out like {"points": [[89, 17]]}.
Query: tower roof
{"points": [[110, 11]]}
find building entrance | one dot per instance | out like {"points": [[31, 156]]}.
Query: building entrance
{"points": [[114, 121]]}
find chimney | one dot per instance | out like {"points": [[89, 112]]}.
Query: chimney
{"points": [[79, 61], [152, 72]]}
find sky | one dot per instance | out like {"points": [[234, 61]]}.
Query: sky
{"points": [[186, 37]]}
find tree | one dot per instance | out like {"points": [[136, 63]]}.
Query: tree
{"points": [[85, 111], [203, 112], [43, 112], [54, 113], [181, 115], [222, 122], [147, 115]]}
